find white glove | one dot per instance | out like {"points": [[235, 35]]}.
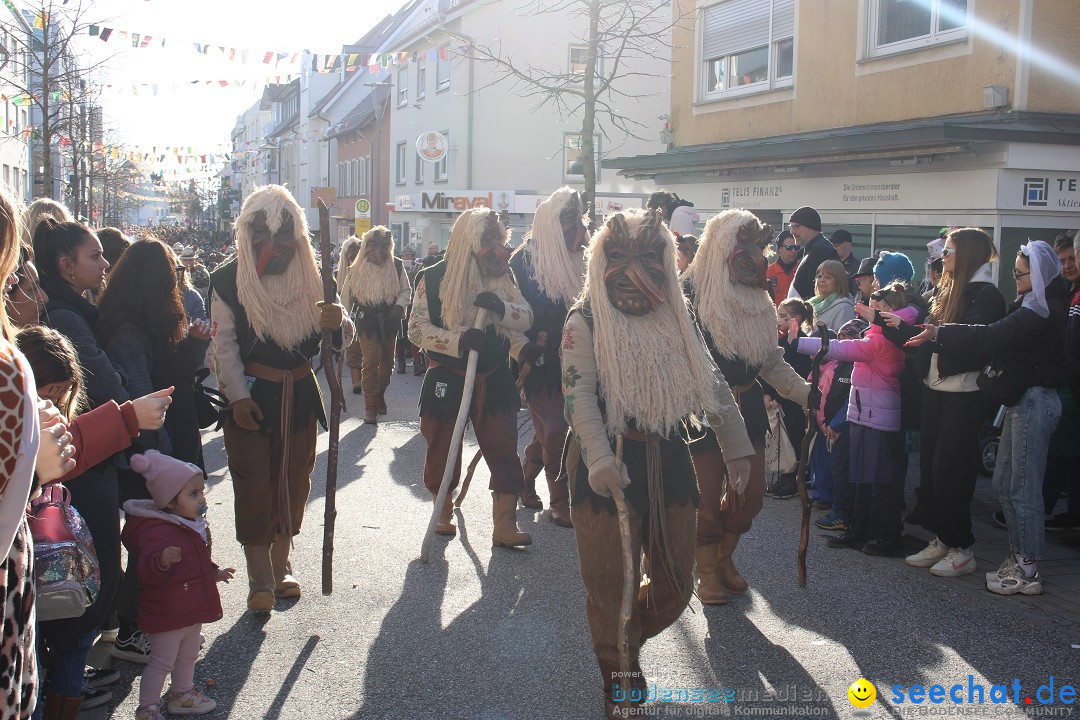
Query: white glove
{"points": [[606, 480], [738, 475]]}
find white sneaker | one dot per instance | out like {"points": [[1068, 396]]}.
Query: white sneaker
{"points": [[928, 555], [1015, 581], [1006, 567], [957, 562]]}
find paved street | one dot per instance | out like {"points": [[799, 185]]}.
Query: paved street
{"points": [[493, 634]]}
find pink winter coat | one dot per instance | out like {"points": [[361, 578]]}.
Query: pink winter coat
{"points": [[875, 380]]}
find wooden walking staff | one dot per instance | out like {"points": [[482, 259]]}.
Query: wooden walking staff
{"points": [[455, 439], [337, 401], [804, 455], [629, 584]]}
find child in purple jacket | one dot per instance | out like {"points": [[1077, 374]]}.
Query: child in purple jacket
{"points": [[177, 580], [876, 440]]}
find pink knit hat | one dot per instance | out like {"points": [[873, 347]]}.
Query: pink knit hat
{"points": [[165, 476]]}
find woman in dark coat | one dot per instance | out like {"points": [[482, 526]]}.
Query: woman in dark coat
{"points": [[70, 262], [144, 331]]}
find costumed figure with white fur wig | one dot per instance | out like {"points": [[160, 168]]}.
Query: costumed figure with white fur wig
{"points": [[634, 367], [376, 293], [474, 274], [354, 356], [170, 538], [549, 268], [730, 299], [269, 315]]}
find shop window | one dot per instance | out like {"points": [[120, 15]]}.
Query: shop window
{"points": [[901, 25], [747, 46]]}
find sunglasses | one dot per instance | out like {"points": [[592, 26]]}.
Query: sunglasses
{"points": [[946, 252], [789, 248]]}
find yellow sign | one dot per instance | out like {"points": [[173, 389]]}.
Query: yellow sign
{"points": [[362, 225]]}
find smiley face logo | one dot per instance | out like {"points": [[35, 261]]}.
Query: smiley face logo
{"points": [[862, 693]]}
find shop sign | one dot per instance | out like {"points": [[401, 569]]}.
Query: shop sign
{"points": [[456, 201], [1039, 190]]}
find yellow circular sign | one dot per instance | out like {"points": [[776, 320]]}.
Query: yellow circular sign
{"points": [[363, 208]]}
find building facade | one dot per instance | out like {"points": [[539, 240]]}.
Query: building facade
{"points": [[490, 143], [14, 145], [894, 118]]}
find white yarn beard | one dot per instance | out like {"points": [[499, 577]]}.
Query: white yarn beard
{"points": [[370, 284], [280, 308], [741, 319]]}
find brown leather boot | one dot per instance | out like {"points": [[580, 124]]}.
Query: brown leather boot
{"points": [[260, 578], [285, 584], [709, 587], [559, 494], [61, 707], [729, 576], [529, 498], [446, 526], [355, 374], [380, 402], [504, 513], [371, 410]]}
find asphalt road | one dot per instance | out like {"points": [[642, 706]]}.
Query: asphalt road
{"points": [[496, 634]]}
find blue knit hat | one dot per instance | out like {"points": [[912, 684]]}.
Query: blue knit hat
{"points": [[892, 266]]}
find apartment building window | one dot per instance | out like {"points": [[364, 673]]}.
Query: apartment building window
{"points": [[421, 77], [342, 180], [573, 165], [442, 69], [419, 179], [747, 46], [403, 85], [899, 25], [578, 61], [402, 159], [441, 173], [7, 174]]}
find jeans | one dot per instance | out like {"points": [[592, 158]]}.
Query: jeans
{"points": [[1021, 462], [66, 671], [843, 491]]}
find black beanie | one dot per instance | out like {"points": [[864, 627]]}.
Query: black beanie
{"points": [[807, 216]]}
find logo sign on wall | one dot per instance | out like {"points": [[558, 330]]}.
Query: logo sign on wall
{"points": [[431, 146]]}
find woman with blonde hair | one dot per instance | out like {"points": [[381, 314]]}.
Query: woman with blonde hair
{"points": [[831, 302]]}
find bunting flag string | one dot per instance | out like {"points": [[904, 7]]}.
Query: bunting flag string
{"points": [[322, 63], [153, 88]]}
